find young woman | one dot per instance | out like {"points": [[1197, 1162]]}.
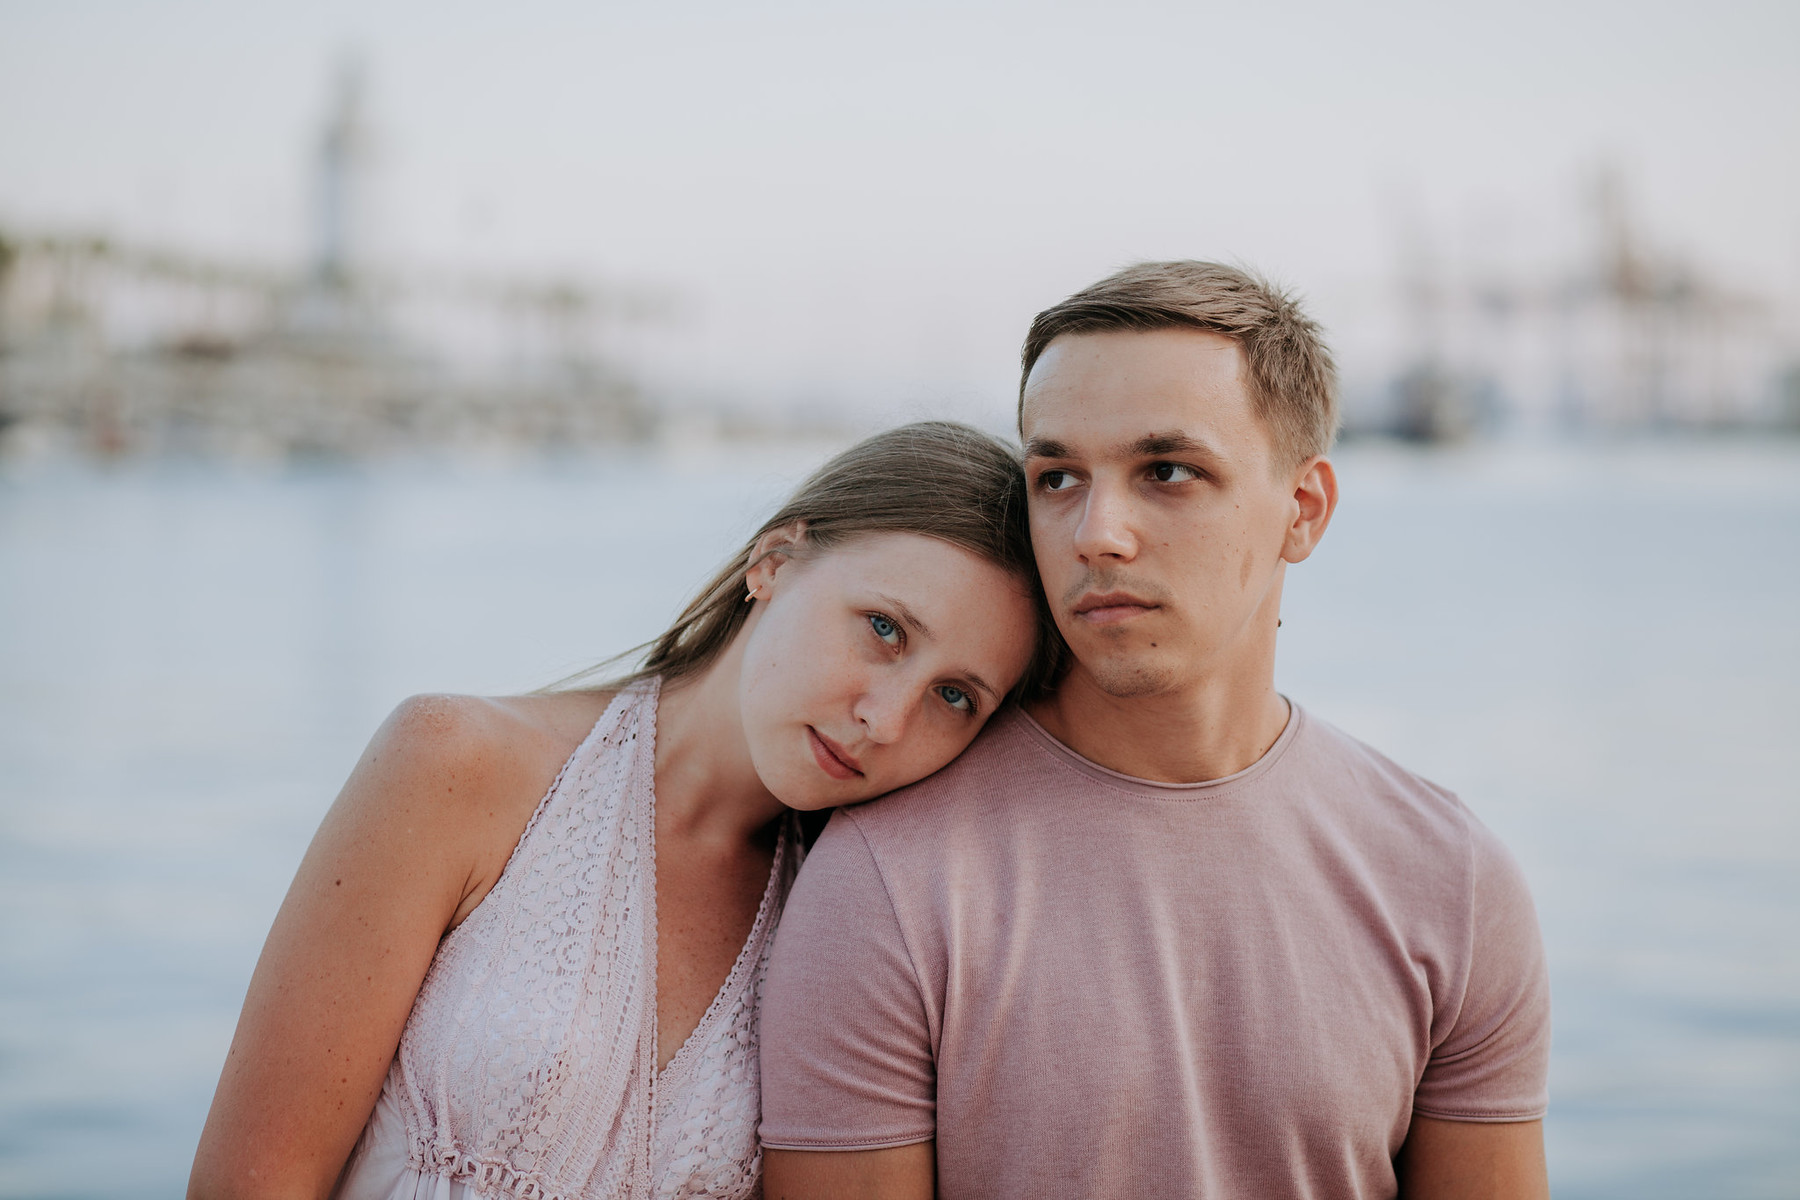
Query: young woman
{"points": [[521, 957]]}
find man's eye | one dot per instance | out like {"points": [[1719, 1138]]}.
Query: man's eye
{"points": [[1173, 473], [956, 698], [885, 629], [1055, 481]]}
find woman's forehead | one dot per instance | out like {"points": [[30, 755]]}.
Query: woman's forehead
{"points": [[913, 558]]}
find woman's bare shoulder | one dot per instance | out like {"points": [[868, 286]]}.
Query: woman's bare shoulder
{"points": [[484, 740], [421, 831], [562, 719], [460, 776]]}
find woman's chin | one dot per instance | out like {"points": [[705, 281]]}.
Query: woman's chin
{"points": [[806, 790], [816, 799], [800, 782]]}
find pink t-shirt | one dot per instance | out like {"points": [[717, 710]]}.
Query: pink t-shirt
{"points": [[1084, 984]]}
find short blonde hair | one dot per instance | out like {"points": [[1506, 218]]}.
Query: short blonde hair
{"points": [[1293, 380]]}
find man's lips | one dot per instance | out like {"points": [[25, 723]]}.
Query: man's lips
{"points": [[1104, 608], [833, 759]]}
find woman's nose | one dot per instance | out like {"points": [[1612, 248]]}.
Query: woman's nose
{"points": [[883, 711]]}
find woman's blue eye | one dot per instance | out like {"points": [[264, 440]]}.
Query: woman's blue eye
{"points": [[884, 629], [957, 698]]}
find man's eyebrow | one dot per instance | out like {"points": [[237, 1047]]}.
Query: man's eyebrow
{"points": [[1152, 445]]}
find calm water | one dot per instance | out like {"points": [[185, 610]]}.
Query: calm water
{"points": [[1599, 649]]}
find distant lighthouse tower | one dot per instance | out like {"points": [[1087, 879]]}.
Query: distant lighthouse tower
{"points": [[341, 182], [332, 311]]}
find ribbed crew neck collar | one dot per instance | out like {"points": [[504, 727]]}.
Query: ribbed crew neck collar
{"points": [[1207, 789]]}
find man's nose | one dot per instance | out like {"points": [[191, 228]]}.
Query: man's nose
{"points": [[884, 710], [1105, 529]]}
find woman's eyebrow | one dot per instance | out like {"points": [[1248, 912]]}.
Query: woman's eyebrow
{"points": [[906, 614], [912, 618], [984, 685]]}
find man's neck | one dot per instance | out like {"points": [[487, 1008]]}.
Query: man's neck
{"points": [[1204, 731]]}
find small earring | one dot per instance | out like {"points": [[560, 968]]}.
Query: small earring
{"points": [[752, 595]]}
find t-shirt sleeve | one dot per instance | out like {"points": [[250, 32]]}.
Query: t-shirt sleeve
{"points": [[846, 1045], [1492, 1063]]}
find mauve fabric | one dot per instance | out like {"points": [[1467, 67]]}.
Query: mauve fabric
{"points": [[1084, 984]]}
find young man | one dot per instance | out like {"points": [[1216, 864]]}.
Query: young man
{"points": [[1162, 933]]}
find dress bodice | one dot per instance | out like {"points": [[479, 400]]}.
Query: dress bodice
{"points": [[527, 1068]]}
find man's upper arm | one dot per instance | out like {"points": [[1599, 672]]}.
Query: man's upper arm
{"points": [[846, 1041], [1469, 1160], [898, 1173]]}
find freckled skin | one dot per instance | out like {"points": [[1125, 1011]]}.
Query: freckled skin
{"points": [[809, 657], [878, 704], [434, 809]]}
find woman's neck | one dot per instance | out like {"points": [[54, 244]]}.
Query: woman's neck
{"points": [[707, 788]]}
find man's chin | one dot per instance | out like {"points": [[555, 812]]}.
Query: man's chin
{"points": [[1127, 676]]}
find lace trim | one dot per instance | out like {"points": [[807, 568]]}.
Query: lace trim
{"points": [[529, 1028], [749, 957], [533, 1038], [487, 1175]]}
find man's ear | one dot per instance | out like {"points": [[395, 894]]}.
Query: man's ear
{"points": [[1315, 499], [772, 551]]}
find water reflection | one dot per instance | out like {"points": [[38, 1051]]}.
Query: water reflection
{"points": [[1595, 648]]}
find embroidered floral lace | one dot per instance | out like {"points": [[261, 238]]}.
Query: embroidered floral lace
{"points": [[527, 1069]]}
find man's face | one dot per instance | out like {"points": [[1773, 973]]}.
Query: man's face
{"points": [[1159, 512]]}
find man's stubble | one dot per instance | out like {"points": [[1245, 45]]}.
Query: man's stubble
{"points": [[1117, 666]]}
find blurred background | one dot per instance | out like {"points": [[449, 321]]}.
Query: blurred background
{"points": [[351, 351]]}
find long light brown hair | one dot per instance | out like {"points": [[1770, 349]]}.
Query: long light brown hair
{"points": [[939, 479]]}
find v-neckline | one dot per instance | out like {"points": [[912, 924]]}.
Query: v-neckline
{"points": [[734, 979], [753, 942]]}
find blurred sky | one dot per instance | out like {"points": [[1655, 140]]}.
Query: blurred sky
{"points": [[870, 201]]}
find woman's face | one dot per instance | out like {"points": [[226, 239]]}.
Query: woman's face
{"points": [[870, 665]]}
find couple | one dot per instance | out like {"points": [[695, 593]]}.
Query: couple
{"points": [[1157, 933]]}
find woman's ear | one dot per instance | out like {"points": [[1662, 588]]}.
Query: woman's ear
{"points": [[772, 551]]}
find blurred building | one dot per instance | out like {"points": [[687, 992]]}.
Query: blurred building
{"points": [[123, 349], [1626, 338], [119, 348]]}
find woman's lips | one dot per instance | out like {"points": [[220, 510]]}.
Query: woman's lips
{"points": [[832, 758]]}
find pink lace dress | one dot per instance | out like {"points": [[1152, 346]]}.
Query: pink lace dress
{"points": [[527, 1070]]}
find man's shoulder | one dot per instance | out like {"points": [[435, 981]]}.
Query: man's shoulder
{"points": [[1327, 750], [984, 779], [1369, 786]]}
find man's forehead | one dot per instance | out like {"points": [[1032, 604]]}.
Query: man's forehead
{"points": [[1144, 354], [1127, 385]]}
